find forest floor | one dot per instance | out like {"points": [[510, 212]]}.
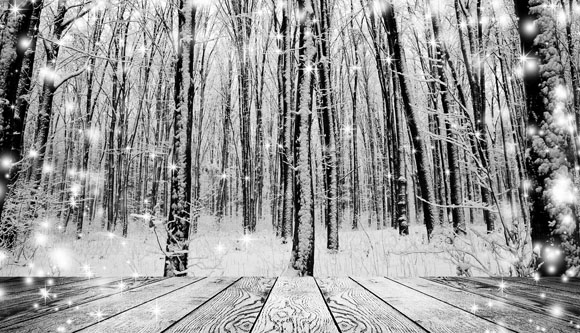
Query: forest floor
{"points": [[222, 250]]}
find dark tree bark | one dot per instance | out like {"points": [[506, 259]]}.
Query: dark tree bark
{"points": [[328, 130], [190, 24], [302, 257], [354, 94], [178, 221], [548, 153], [17, 50], [285, 83], [421, 156], [241, 29]]}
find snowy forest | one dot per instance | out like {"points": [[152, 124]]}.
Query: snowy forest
{"points": [[289, 137]]}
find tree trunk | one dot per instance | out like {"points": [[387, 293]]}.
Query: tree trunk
{"points": [[17, 49], [455, 185], [302, 257], [421, 155], [328, 130], [178, 221], [549, 154]]}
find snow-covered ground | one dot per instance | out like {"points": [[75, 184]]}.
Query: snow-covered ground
{"points": [[224, 251]]}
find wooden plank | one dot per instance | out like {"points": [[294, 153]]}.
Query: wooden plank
{"points": [[431, 314], [19, 284], [357, 310], [233, 310], [7, 278], [57, 289], [534, 291], [513, 296], [295, 305], [80, 316], [15, 303], [159, 314], [501, 313], [545, 282], [32, 305]]}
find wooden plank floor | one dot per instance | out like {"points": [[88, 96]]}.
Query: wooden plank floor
{"points": [[254, 304]]}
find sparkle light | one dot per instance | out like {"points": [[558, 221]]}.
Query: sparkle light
{"points": [[502, 286], [474, 308], [219, 248], [121, 285], [97, 314], [44, 294], [87, 271], [562, 192], [75, 189], [47, 168], [246, 239], [7, 162], [529, 27], [45, 224], [156, 311], [41, 239]]}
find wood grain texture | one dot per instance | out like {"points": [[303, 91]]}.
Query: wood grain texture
{"points": [[80, 316], [159, 314], [432, 314], [233, 310], [69, 295], [295, 305], [356, 310], [16, 285], [534, 291], [513, 296], [502, 313], [15, 303], [569, 287]]}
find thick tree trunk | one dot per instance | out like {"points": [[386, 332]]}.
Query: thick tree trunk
{"points": [[286, 155], [17, 49], [302, 257], [421, 154], [549, 153], [178, 221], [190, 23], [328, 130]]}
